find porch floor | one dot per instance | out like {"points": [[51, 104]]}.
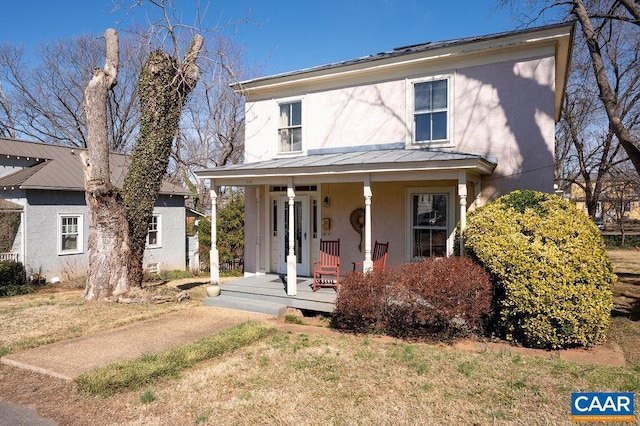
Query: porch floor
{"points": [[267, 294]]}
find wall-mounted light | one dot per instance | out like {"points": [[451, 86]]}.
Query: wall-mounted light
{"points": [[325, 201]]}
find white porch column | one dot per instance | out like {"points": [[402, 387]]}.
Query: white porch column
{"points": [[367, 264], [258, 229], [292, 278], [213, 254], [462, 195]]}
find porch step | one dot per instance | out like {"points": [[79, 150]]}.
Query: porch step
{"points": [[246, 304]]}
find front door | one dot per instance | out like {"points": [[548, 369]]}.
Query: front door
{"points": [[301, 239]]}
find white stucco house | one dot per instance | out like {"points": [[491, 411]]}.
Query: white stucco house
{"points": [[403, 143], [44, 184]]}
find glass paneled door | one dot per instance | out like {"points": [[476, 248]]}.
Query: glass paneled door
{"points": [[301, 236]]}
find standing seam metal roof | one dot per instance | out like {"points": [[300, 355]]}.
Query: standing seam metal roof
{"points": [[390, 157]]}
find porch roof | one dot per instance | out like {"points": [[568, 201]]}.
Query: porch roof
{"points": [[341, 164], [8, 206]]}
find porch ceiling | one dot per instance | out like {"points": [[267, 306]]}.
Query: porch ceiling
{"points": [[352, 165]]}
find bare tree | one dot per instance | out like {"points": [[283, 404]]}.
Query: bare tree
{"points": [[45, 100], [587, 147], [620, 191], [596, 37], [7, 123], [164, 86], [212, 129], [603, 87], [109, 247]]}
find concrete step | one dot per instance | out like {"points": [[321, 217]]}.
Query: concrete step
{"points": [[246, 304]]}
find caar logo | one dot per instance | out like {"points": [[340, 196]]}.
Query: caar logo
{"points": [[602, 407]]}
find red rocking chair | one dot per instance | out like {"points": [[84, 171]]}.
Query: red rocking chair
{"points": [[326, 271], [378, 256]]}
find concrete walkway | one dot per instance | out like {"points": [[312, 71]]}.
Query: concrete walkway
{"points": [[71, 358]]}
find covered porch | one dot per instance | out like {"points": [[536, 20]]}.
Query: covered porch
{"points": [[411, 198]]}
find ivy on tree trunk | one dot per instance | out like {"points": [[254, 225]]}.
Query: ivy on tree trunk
{"points": [[163, 90]]}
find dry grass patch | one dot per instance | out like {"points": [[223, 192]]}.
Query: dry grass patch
{"points": [[344, 380], [41, 318]]}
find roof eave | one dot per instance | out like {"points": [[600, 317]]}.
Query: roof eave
{"points": [[480, 165], [391, 59]]}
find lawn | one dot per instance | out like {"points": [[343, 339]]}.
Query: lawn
{"points": [[314, 378]]}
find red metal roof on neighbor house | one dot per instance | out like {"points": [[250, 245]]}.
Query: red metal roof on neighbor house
{"points": [[55, 167]]}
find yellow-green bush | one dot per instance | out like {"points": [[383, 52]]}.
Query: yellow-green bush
{"points": [[550, 268]]}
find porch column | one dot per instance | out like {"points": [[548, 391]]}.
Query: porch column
{"points": [[258, 230], [367, 264], [462, 195], [292, 278], [214, 266]]}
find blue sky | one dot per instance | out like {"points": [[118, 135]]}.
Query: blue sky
{"points": [[281, 36]]}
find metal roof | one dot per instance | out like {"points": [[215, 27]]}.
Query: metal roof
{"points": [[8, 206], [406, 50], [380, 160], [56, 167]]}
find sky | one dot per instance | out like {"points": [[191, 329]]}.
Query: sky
{"points": [[278, 36]]}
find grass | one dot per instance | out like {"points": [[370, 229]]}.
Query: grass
{"points": [[40, 318], [132, 375], [255, 374]]}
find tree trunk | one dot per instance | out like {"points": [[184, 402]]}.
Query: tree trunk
{"points": [[108, 240], [164, 87]]}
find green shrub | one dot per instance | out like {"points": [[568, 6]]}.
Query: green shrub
{"points": [[550, 268], [12, 273], [437, 298], [13, 279]]}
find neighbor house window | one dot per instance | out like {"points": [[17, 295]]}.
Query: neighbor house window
{"points": [[290, 127], [431, 111], [70, 239], [429, 224], [154, 235]]}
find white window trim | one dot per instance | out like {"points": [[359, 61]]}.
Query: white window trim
{"points": [[80, 248], [451, 220], [410, 102], [159, 230], [302, 125]]}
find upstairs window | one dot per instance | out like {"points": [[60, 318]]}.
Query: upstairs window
{"points": [[431, 111], [290, 127]]}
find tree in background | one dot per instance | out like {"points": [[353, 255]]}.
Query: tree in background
{"points": [[44, 102], [230, 219], [230, 222], [606, 49], [212, 129]]}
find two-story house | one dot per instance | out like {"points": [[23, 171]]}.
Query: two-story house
{"points": [[394, 147]]}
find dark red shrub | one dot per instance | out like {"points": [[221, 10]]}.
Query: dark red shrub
{"points": [[435, 298]]}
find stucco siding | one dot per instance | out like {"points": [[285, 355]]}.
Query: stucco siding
{"points": [[172, 254], [42, 234], [41, 227], [506, 110]]}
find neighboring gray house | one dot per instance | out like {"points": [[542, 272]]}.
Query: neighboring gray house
{"points": [[44, 184]]}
